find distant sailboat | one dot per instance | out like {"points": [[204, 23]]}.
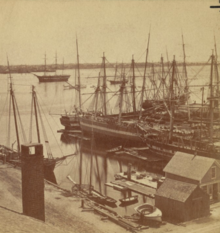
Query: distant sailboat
{"points": [[52, 78], [117, 80]]}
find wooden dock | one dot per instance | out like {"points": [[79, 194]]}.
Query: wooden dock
{"points": [[146, 181], [136, 187]]}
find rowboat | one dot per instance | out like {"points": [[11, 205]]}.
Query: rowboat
{"points": [[129, 200], [149, 212]]}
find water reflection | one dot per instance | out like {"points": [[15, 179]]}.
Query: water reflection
{"points": [[97, 170]]}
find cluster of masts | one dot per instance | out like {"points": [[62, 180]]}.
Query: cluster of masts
{"points": [[169, 90]]}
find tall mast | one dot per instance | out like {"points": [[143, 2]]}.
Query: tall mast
{"points": [[201, 117], [35, 111], [15, 117], [172, 100], [153, 81], [211, 105], [133, 86], [186, 89], [14, 110], [80, 165], [216, 55], [121, 98], [168, 69], [163, 82], [144, 79], [104, 84], [97, 91], [78, 68], [216, 68], [91, 164]]}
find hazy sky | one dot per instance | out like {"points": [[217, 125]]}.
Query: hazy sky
{"points": [[118, 28]]}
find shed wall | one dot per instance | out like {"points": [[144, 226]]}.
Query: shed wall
{"points": [[197, 205], [208, 176], [171, 209]]}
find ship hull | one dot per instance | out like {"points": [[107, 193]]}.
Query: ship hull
{"points": [[111, 132], [49, 166], [167, 150], [53, 78], [70, 121], [117, 81]]}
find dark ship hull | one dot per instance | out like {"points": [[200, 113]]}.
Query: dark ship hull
{"points": [[52, 78], [167, 150], [49, 165], [70, 122], [11, 156], [113, 132], [117, 81]]}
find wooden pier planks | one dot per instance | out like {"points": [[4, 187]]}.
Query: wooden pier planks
{"points": [[135, 187]]}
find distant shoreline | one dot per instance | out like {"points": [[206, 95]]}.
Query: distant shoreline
{"points": [[52, 68]]}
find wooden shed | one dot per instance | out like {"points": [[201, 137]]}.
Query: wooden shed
{"points": [[180, 201], [199, 170]]}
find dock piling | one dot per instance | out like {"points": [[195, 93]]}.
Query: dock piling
{"points": [[129, 171]]}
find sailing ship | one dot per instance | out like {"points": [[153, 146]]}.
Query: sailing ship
{"points": [[52, 78], [71, 120], [110, 127], [117, 128], [160, 92], [117, 79], [14, 156], [202, 139]]}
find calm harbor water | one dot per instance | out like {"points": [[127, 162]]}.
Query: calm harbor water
{"points": [[53, 101]]}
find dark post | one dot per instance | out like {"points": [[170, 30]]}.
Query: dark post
{"points": [[129, 171], [33, 180]]}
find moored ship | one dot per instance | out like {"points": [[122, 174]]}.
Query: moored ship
{"points": [[204, 131], [52, 77]]}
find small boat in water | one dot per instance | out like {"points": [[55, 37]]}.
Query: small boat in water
{"points": [[129, 200], [109, 200], [101, 199], [96, 198], [149, 212]]}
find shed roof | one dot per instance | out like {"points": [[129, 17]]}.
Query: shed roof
{"points": [[176, 190], [189, 165]]}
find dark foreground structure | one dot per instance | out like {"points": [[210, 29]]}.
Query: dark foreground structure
{"points": [[180, 201], [33, 180]]}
